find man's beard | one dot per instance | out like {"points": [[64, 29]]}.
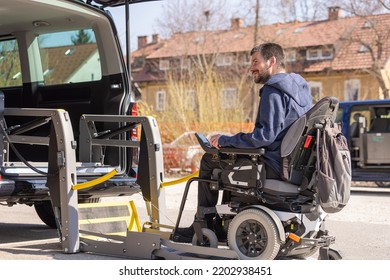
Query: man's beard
{"points": [[262, 78]]}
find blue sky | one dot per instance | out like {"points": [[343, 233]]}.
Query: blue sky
{"points": [[143, 19]]}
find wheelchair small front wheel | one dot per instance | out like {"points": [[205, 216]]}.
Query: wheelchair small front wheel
{"points": [[208, 239], [253, 235]]}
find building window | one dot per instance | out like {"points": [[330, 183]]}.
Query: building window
{"points": [[229, 98], [299, 30], [326, 53], [224, 60], [315, 90], [190, 101], [313, 54], [199, 40], [160, 100], [280, 31], [352, 89], [164, 64], [246, 59], [317, 54], [369, 24], [363, 49], [48, 71], [291, 55], [185, 63]]}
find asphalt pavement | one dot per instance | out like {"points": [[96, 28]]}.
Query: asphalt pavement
{"points": [[23, 236]]}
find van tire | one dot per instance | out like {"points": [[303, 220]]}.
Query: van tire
{"points": [[45, 213]]}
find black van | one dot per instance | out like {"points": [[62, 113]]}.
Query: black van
{"points": [[64, 56], [366, 124]]}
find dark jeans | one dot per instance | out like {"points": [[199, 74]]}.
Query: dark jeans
{"points": [[209, 162]]}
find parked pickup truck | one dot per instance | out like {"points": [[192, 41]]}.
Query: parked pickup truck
{"points": [[64, 57], [366, 124]]}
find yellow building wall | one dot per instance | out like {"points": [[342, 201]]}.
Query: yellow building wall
{"points": [[333, 85]]}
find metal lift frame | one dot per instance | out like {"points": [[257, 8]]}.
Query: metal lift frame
{"points": [[61, 169], [154, 241]]}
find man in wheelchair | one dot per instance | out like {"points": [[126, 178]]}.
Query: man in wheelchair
{"points": [[284, 98]]}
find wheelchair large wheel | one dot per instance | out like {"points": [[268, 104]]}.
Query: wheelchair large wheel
{"points": [[253, 235]]}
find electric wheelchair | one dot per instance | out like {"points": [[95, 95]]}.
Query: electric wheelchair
{"points": [[267, 218]]}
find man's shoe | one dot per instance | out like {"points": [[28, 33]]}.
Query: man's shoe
{"points": [[220, 232], [184, 235]]}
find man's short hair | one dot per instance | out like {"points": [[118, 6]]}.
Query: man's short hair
{"points": [[268, 50]]}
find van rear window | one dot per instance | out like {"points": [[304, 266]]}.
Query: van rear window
{"points": [[10, 72], [69, 57]]}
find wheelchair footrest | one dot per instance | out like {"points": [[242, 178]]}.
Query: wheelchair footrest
{"points": [[322, 241]]}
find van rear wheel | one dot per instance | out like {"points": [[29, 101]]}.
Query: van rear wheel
{"points": [[45, 213]]}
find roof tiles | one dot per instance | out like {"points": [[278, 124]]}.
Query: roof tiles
{"points": [[344, 35]]}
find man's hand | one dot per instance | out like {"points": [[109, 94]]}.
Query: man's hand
{"points": [[214, 140]]}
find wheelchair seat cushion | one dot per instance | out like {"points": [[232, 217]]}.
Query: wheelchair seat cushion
{"points": [[280, 188]]}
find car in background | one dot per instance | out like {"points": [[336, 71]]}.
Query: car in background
{"points": [[366, 125], [184, 153]]}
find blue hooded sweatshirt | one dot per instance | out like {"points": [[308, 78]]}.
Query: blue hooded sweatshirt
{"points": [[284, 98]]}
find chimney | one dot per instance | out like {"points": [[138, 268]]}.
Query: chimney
{"points": [[155, 38], [235, 23], [334, 13], [142, 41]]}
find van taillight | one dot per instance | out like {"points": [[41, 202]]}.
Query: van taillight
{"points": [[134, 109], [134, 112]]}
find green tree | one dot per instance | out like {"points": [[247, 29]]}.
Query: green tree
{"points": [[81, 37]]}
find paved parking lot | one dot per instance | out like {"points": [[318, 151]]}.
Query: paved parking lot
{"points": [[23, 236]]}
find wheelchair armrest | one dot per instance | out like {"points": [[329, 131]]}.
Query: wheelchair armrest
{"points": [[227, 150], [206, 146]]}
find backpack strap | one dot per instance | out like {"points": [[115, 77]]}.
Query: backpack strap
{"points": [[305, 182]]}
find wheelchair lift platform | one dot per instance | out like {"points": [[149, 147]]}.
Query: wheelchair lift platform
{"points": [[113, 229]]}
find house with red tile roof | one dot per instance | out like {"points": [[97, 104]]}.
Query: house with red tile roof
{"points": [[346, 57]]}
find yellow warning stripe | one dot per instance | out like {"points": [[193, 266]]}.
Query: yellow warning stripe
{"points": [[103, 204], [135, 218], [94, 182], [181, 180], [132, 220], [103, 220]]}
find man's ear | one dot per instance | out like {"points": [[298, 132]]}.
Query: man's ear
{"points": [[272, 61]]}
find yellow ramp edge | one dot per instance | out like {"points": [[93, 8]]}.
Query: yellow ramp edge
{"points": [[94, 182], [179, 181]]}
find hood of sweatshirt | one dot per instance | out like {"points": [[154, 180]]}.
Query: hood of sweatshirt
{"points": [[293, 85]]}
